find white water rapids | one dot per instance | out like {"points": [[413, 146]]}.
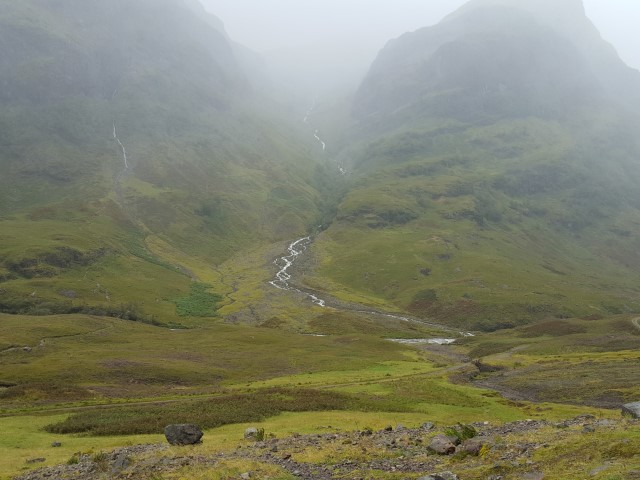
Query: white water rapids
{"points": [[281, 281], [124, 151], [306, 120], [324, 145]]}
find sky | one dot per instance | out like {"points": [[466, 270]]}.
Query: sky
{"points": [[362, 27]]}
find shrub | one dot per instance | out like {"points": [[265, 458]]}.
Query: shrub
{"points": [[461, 432]]}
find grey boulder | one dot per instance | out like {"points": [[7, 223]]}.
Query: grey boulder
{"points": [[183, 434], [631, 409], [473, 446], [442, 445], [440, 476]]}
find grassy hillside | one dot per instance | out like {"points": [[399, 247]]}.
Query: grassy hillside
{"points": [[490, 225], [209, 170], [490, 187]]}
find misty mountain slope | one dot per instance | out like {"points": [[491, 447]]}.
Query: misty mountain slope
{"points": [[489, 62], [129, 124], [495, 176]]}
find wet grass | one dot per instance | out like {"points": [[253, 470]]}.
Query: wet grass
{"points": [[125, 359], [216, 412], [576, 361]]}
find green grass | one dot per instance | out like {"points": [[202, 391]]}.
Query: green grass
{"points": [[215, 412], [25, 438], [350, 381], [447, 236], [200, 302], [565, 362], [126, 359]]}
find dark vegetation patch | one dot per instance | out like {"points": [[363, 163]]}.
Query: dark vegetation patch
{"points": [[551, 327], [40, 392], [52, 263], [273, 322], [476, 316], [423, 299], [575, 383], [539, 179], [41, 307], [200, 302], [487, 348], [397, 217], [612, 343], [336, 323], [215, 412]]}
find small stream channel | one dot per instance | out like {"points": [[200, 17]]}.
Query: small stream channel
{"points": [[282, 282]]}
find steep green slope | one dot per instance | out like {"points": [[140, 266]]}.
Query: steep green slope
{"points": [[126, 121], [495, 176]]}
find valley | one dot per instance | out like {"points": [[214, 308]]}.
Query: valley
{"points": [[448, 246]]}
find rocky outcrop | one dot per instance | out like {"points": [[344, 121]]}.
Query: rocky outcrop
{"points": [[631, 410], [401, 452], [184, 434]]}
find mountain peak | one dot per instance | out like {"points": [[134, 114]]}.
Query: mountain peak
{"points": [[551, 11], [504, 57]]}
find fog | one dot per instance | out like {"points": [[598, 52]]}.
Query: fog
{"points": [[331, 43]]}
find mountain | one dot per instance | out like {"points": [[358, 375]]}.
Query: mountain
{"points": [[512, 58], [133, 135], [495, 167]]}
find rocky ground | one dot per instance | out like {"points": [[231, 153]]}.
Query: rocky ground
{"points": [[500, 452]]}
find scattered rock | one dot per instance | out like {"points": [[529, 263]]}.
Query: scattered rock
{"points": [[440, 476], [599, 469], [56, 444], [442, 445], [36, 460], [533, 476], [428, 426], [245, 476], [183, 434], [631, 410], [485, 367], [472, 446], [251, 433], [606, 423], [121, 462]]}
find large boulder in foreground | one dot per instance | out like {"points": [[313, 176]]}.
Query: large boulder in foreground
{"points": [[183, 434], [442, 445], [631, 409]]}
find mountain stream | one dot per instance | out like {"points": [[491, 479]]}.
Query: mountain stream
{"points": [[283, 277]]}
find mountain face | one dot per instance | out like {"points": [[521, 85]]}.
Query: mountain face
{"points": [[497, 167], [73, 48], [130, 129], [510, 58]]}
